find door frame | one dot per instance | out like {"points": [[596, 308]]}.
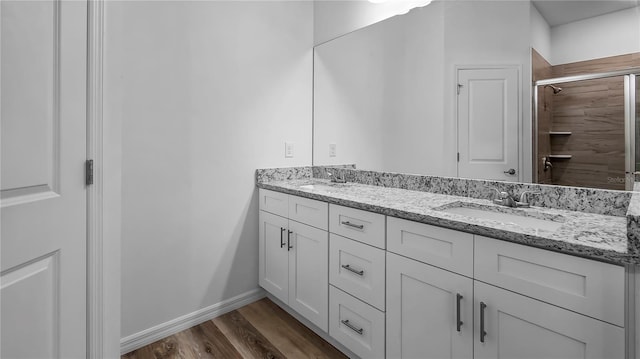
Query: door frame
{"points": [[519, 87], [103, 202]]}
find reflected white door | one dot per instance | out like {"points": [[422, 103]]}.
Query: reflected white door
{"points": [[488, 118], [43, 197]]}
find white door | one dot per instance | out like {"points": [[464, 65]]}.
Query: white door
{"points": [[488, 120], [309, 273], [425, 305], [274, 256], [516, 327], [43, 197]]}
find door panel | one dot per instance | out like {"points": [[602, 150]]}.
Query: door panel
{"points": [[40, 309], [43, 229], [422, 311], [30, 97], [309, 273], [488, 120], [520, 327], [274, 257]]}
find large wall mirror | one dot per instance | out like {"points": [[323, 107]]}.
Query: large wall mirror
{"points": [[502, 90]]}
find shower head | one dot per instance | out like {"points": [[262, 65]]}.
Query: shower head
{"points": [[556, 89]]}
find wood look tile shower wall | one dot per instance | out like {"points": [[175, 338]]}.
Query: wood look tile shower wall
{"points": [[593, 111]]}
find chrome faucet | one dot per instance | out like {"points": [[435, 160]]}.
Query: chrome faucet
{"points": [[503, 198], [336, 179], [523, 198]]}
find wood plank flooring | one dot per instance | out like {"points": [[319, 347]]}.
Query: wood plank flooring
{"points": [[258, 330]]}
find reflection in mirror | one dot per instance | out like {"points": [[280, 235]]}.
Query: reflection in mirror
{"points": [[581, 132], [396, 96]]}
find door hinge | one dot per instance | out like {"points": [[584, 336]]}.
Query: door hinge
{"points": [[88, 171], [459, 87], [458, 156]]}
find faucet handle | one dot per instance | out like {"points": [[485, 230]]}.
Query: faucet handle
{"points": [[336, 178], [523, 195], [498, 193]]}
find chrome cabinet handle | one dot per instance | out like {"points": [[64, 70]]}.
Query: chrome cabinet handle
{"points": [[511, 171], [358, 226], [289, 246], [482, 332], [350, 326], [282, 237], [458, 321], [348, 267]]}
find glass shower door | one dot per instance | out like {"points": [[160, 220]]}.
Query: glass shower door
{"points": [[634, 110]]}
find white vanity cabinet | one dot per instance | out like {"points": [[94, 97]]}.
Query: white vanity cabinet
{"points": [[357, 277], [294, 253], [543, 304], [429, 311], [429, 308], [389, 287], [514, 301]]}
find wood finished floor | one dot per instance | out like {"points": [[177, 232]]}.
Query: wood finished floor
{"points": [[258, 330]]}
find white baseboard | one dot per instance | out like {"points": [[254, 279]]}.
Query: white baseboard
{"points": [[148, 336]]}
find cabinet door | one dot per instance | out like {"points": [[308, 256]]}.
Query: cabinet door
{"points": [[422, 311], [309, 273], [520, 327], [273, 255]]}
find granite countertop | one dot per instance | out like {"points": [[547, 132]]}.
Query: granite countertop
{"points": [[594, 236]]}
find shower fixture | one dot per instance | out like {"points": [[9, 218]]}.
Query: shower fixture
{"points": [[556, 89]]}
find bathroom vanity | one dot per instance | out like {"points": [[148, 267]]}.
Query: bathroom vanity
{"points": [[400, 273]]}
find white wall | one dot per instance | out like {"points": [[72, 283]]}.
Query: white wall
{"points": [[540, 33], [613, 34], [333, 18], [207, 92]]}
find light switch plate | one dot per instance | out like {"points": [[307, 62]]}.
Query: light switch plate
{"points": [[332, 150], [288, 149]]}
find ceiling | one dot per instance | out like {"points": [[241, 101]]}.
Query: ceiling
{"points": [[558, 12]]}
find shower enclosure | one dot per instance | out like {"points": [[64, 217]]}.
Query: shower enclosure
{"points": [[585, 130]]}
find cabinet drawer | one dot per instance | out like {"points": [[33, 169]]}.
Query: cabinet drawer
{"points": [[441, 247], [309, 211], [363, 226], [357, 269], [592, 288], [274, 202], [356, 325]]}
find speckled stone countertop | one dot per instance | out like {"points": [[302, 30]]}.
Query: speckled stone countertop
{"points": [[590, 235]]}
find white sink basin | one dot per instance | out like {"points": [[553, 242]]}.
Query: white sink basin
{"points": [[324, 186], [515, 218]]}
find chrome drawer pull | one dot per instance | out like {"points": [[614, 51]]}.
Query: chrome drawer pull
{"points": [[358, 226], [281, 237], [483, 333], [348, 267], [458, 321], [350, 326]]}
